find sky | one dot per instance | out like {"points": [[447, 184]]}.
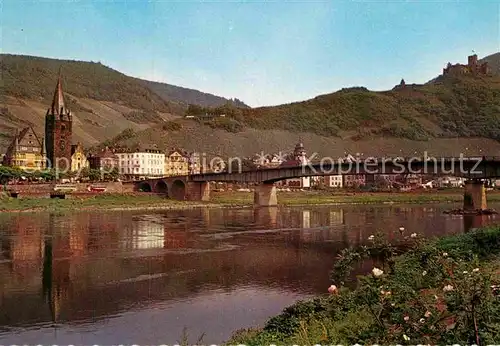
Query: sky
{"points": [[261, 52]]}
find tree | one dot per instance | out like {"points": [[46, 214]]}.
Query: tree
{"points": [[9, 173], [94, 175], [112, 175]]}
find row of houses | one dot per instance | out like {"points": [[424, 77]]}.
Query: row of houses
{"points": [[299, 157], [386, 181], [31, 152], [27, 151], [146, 162]]}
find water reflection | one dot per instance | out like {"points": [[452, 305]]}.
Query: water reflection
{"points": [[213, 270]]}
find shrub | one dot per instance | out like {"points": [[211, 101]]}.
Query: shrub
{"points": [[227, 124], [171, 126], [437, 292]]}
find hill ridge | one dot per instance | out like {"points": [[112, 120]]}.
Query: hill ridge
{"points": [[415, 114]]}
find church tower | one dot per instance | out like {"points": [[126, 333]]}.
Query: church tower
{"points": [[58, 131]]}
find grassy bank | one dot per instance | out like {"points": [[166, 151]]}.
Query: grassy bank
{"points": [[442, 291], [99, 202], [326, 197], [227, 199]]}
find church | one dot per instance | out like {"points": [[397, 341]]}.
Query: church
{"points": [[30, 152], [58, 132]]}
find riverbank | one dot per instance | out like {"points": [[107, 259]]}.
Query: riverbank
{"points": [[318, 197], [227, 199], [444, 291], [99, 202]]}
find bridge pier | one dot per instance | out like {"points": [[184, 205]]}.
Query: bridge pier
{"points": [[474, 195], [198, 191], [265, 195]]}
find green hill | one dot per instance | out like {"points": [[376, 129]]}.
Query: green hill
{"points": [[494, 62], [104, 101], [189, 96], [445, 114], [33, 77], [447, 107]]}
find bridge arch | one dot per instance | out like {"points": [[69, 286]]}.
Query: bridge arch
{"points": [[145, 187], [178, 190], [161, 187]]}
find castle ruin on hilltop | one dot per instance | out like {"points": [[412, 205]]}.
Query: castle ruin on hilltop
{"points": [[473, 67]]}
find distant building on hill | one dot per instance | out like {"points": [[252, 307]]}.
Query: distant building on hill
{"points": [[473, 67]]}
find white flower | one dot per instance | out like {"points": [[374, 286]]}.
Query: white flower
{"points": [[406, 318], [422, 320], [413, 235], [406, 337], [332, 289], [371, 237], [447, 288], [465, 272], [475, 270], [377, 272], [427, 314], [401, 229], [424, 273], [445, 254]]}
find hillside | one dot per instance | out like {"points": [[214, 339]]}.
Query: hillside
{"points": [[194, 136], [494, 62], [105, 101], [189, 96], [448, 107], [448, 115]]}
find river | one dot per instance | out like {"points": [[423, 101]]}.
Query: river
{"points": [[144, 277]]}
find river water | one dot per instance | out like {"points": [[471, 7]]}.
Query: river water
{"points": [[144, 277]]}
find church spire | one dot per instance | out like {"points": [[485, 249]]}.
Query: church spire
{"points": [[58, 106]]}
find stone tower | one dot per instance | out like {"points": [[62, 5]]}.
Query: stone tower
{"points": [[58, 131], [299, 153]]}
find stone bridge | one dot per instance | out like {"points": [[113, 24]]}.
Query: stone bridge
{"points": [[196, 187]]}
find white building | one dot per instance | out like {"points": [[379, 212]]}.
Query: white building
{"points": [[333, 181], [141, 164], [450, 182]]}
